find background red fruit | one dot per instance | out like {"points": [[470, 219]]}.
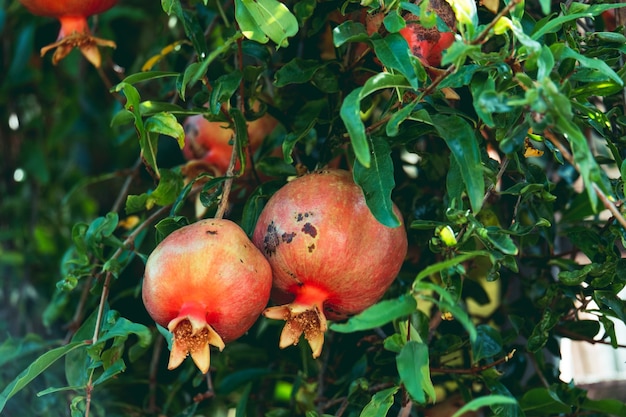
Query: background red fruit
{"points": [[330, 257], [427, 44], [208, 284], [74, 32], [210, 141]]}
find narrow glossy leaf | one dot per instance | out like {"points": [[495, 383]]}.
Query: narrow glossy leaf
{"points": [[447, 264], [123, 327], [192, 27], [273, 18], [292, 138], [594, 63], [197, 70], [480, 402], [351, 115], [349, 31], [488, 343], [166, 124], [393, 21], [497, 238], [413, 368], [607, 406], [463, 143], [380, 403], [575, 277], [38, 366], [170, 185], [446, 302], [296, 71], [148, 75], [116, 368], [543, 400], [241, 140], [378, 315], [377, 182], [393, 51], [393, 125], [223, 89], [350, 111], [555, 24]]}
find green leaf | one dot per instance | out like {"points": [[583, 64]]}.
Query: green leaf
{"points": [[377, 182], [463, 143], [554, 24], [296, 71], [380, 403], [197, 70], [38, 366], [446, 302], [170, 186], [497, 238], [564, 52], [394, 53], [349, 31], [480, 402], [351, 111], [351, 115], [575, 277], [166, 124], [543, 400], [272, 18], [488, 343], [148, 76], [378, 315], [223, 89], [413, 368], [606, 406]]}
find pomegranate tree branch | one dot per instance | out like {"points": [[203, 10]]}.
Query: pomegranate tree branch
{"points": [[474, 369], [230, 172]]}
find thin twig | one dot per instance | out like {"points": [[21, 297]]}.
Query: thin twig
{"points": [[474, 369], [608, 204], [230, 172], [128, 242]]}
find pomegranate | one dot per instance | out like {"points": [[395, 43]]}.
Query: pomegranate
{"points": [[208, 284], [74, 31], [330, 257], [210, 141], [427, 44]]}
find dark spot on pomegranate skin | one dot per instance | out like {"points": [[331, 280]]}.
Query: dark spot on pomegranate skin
{"points": [[271, 239], [302, 216], [288, 237], [211, 232], [311, 247], [309, 229]]}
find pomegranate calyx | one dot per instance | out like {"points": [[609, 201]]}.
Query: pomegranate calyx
{"points": [[300, 318], [87, 44], [192, 336]]}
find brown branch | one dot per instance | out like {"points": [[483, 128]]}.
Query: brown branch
{"points": [[474, 369]]}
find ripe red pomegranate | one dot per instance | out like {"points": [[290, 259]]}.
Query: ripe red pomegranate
{"points": [[427, 44], [210, 141], [330, 257], [208, 284], [74, 31]]}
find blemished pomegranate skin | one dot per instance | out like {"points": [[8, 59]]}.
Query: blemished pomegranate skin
{"points": [[330, 257], [207, 284]]}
